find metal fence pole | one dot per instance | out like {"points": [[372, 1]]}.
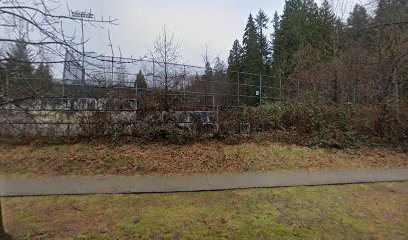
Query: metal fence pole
{"points": [[213, 92], [137, 93], [260, 90], [184, 85], [83, 52], [238, 89], [154, 82], [63, 87]]}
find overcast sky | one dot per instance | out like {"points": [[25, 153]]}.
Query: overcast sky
{"points": [[194, 23]]}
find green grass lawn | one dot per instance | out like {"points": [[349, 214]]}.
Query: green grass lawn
{"points": [[368, 211]]}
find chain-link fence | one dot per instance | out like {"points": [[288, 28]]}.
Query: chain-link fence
{"points": [[169, 86]]}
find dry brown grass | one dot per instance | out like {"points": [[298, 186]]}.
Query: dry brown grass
{"points": [[198, 158]]}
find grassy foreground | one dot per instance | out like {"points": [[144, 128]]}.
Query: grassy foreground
{"points": [[372, 211], [199, 158]]}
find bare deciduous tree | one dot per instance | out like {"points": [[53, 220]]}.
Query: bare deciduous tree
{"points": [[165, 53]]}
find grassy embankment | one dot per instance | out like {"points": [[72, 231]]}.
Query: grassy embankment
{"points": [[210, 157], [373, 211]]}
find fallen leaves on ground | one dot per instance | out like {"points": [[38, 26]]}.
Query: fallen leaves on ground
{"points": [[209, 157]]}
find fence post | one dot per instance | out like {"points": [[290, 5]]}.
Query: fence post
{"points": [[213, 92], [154, 82], [184, 85], [260, 90], [137, 92], [238, 89], [63, 87]]}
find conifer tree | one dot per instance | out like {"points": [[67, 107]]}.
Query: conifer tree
{"points": [[252, 57], [327, 35], [274, 35], [140, 81], [43, 71], [235, 57], [358, 18], [19, 60], [297, 26], [261, 24], [43, 76], [219, 66], [235, 61]]}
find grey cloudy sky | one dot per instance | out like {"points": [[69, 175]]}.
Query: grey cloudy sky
{"points": [[194, 23]]}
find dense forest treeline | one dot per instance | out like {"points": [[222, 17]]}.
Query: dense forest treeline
{"points": [[361, 60]]}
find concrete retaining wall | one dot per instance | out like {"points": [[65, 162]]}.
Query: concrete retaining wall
{"points": [[73, 104], [66, 117]]}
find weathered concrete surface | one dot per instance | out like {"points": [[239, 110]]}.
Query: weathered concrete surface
{"points": [[61, 116], [128, 185], [68, 116], [73, 104]]}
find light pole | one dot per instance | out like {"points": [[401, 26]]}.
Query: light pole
{"points": [[83, 52], [81, 15]]}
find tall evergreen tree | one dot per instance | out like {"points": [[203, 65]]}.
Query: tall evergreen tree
{"points": [[262, 24], [297, 26], [261, 21], [235, 61], [19, 60], [392, 11], [219, 66], [208, 71], [276, 26], [327, 35], [252, 56], [356, 22], [42, 78], [140, 82], [327, 19], [235, 57], [43, 71], [358, 18]]}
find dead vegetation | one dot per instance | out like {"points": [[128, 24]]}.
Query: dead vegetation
{"points": [[208, 157]]}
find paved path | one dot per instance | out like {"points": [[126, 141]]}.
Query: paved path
{"points": [[126, 185]]}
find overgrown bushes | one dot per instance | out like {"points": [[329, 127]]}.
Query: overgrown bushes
{"points": [[310, 120], [317, 122], [145, 126]]}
